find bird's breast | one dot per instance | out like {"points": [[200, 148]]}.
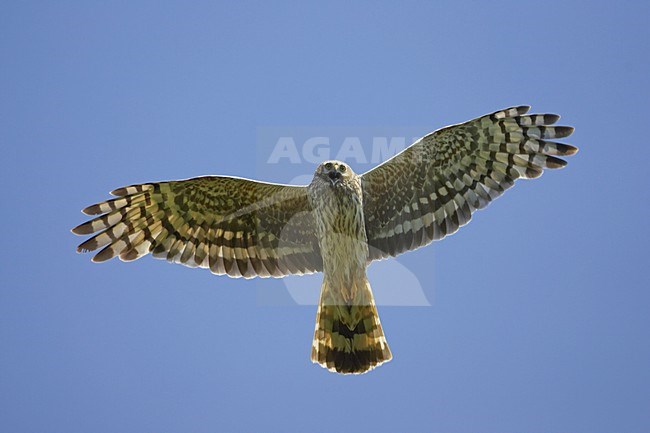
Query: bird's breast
{"points": [[341, 232]]}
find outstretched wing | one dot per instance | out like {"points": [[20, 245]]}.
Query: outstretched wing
{"points": [[432, 188], [232, 226]]}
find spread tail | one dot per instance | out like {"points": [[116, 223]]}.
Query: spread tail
{"points": [[349, 338]]}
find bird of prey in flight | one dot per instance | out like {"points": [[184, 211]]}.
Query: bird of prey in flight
{"points": [[337, 225]]}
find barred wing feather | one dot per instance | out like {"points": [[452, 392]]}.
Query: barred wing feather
{"points": [[232, 226], [435, 185]]}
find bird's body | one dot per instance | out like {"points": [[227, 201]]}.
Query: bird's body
{"points": [[337, 225], [348, 337]]}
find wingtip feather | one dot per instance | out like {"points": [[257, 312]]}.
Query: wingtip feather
{"points": [[570, 150], [523, 109], [551, 118], [82, 229], [103, 255], [554, 163], [92, 210]]}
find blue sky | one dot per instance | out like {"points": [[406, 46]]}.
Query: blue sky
{"points": [[538, 318]]}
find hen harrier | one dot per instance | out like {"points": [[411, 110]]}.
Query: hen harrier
{"points": [[337, 224]]}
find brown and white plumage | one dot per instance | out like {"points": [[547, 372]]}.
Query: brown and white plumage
{"points": [[435, 185], [246, 228], [232, 226]]}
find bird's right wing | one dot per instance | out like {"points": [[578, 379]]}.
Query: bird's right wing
{"points": [[232, 226], [432, 188]]}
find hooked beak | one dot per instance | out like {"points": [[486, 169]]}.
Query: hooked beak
{"points": [[334, 176]]}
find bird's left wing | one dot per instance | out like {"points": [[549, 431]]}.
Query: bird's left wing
{"points": [[432, 188], [232, 226]]}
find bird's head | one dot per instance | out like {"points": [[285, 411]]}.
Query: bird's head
{"points": [[334, 172]]}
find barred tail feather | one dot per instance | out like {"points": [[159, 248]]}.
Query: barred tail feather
{"points": [[349, 338]]}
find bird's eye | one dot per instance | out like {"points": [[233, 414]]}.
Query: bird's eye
{"points": [[328, 166], [342, 168]]}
